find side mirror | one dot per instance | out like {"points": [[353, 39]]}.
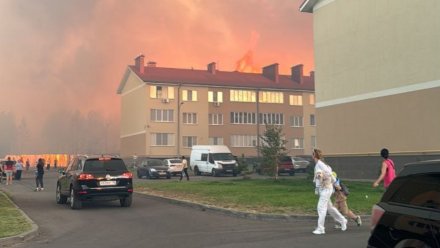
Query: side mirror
{"points": [[61, 172]]}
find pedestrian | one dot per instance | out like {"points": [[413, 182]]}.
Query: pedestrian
{"points": [[388, 170], [341, 205], [18, 169], [8, 168], [39, 175], [184, 169], [324, 181], [28, 164]]}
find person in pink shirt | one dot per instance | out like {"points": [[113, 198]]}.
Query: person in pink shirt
{"points": [[388, 170]]}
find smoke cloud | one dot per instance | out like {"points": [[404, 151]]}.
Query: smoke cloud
{"points": [[65, 59]]}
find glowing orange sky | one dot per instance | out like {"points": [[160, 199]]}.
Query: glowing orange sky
{"points": [[72, 54]]}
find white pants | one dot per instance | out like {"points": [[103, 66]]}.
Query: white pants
{"points": [[325, 204]]}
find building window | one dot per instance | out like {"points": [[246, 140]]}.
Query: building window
{"points": [[295, 100], [215, 96], [160, 92], [296, 121], [243, 141], [312, 99], [297, 143], [312, 120], [162, 139], [162, 115], [216, 140], [270, 97], [243, 118], [215, 119], [271, 118], [242, 96], [189, 118], [189, 95], [189, 141], [313, 141]]}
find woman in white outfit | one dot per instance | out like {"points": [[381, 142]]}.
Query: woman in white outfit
{"points": [[324, 180]]}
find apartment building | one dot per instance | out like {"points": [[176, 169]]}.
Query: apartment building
{"points": [[377, 80], [165, 111]]}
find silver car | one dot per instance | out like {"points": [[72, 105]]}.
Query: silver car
{"points": [[300, 164]]}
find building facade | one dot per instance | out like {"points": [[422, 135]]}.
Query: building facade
{"points": [[377, 78], [165, 111]]}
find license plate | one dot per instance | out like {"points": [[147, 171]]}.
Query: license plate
{"points": [[162, 173], [107, 183]]}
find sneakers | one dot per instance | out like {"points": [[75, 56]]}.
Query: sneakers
{"points": [[41, 189], [358, 220], [318, 231], [344, 225], [38, 189], [337, 226]]}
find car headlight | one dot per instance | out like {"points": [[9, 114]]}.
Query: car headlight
{"points": [[219, 166], [153, 170]]}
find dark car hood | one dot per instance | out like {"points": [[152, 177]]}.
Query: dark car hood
{"points": [[159, 167]]}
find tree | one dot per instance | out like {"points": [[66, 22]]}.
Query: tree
{"points": [[272, 148]]}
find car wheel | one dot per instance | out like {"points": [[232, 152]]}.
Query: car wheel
{"points": [[126, 201], [139, 175], [61, 199], [168, 176], [292, 174], [75, 203], [148, 175], [196, 171], [214, 173], [234, 174]]}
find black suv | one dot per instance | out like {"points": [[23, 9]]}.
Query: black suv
{"points": [[408, 215], [95, 178]]}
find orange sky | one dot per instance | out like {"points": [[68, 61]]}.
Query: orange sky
{"points": [[72, 54]]}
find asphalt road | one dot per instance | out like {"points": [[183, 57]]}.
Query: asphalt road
{"points": [[152, 222]]}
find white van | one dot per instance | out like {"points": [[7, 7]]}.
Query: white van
{"points": [[212, 159]]}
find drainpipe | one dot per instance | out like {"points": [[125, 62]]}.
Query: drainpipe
{"points": [[258, 124], [178, 120]]}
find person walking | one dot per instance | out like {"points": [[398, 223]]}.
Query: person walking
{"points": [[388, 170], [18, 169], [39, 175], [341, 202], [28, 164], [8, 168], [324, 180], [185, 169]]}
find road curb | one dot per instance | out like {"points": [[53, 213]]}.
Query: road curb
{"points": [[240, 214], [8, 241], [233, 212]]}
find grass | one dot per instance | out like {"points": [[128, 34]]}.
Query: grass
{"points": [[285, 196], [12, 222]]}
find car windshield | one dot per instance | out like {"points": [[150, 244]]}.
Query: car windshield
{"points": [[222, 156], [153, 162], [104, 165], [285, 159]]}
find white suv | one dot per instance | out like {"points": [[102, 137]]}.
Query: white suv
{"points": [[175, 166]]}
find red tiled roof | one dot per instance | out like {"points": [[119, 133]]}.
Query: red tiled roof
{"points": [[221, 78]]}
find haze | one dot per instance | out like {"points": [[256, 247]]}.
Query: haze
{"points": [[61, 61]]}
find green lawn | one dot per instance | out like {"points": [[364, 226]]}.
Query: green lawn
{"points": [[285, 196], [12, 222]]}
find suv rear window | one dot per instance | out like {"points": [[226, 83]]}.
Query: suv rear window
{"points": [[418, 190], [104, 165]]}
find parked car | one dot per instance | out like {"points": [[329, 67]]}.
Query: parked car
{"points": [[408, 215], [300, 164], [90, 178], [285, 166], [153, 168], [175, 166]]}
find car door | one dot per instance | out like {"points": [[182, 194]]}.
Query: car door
{"points": [[63, 179]]}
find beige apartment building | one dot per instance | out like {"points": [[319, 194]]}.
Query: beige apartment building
{"points": [[377, 77], [165, 111]]}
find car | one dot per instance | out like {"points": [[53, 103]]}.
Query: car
{"points": [[153, 168], [408, 214], [285, 166], [300, 164], [175, 166], [95, 177]]}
